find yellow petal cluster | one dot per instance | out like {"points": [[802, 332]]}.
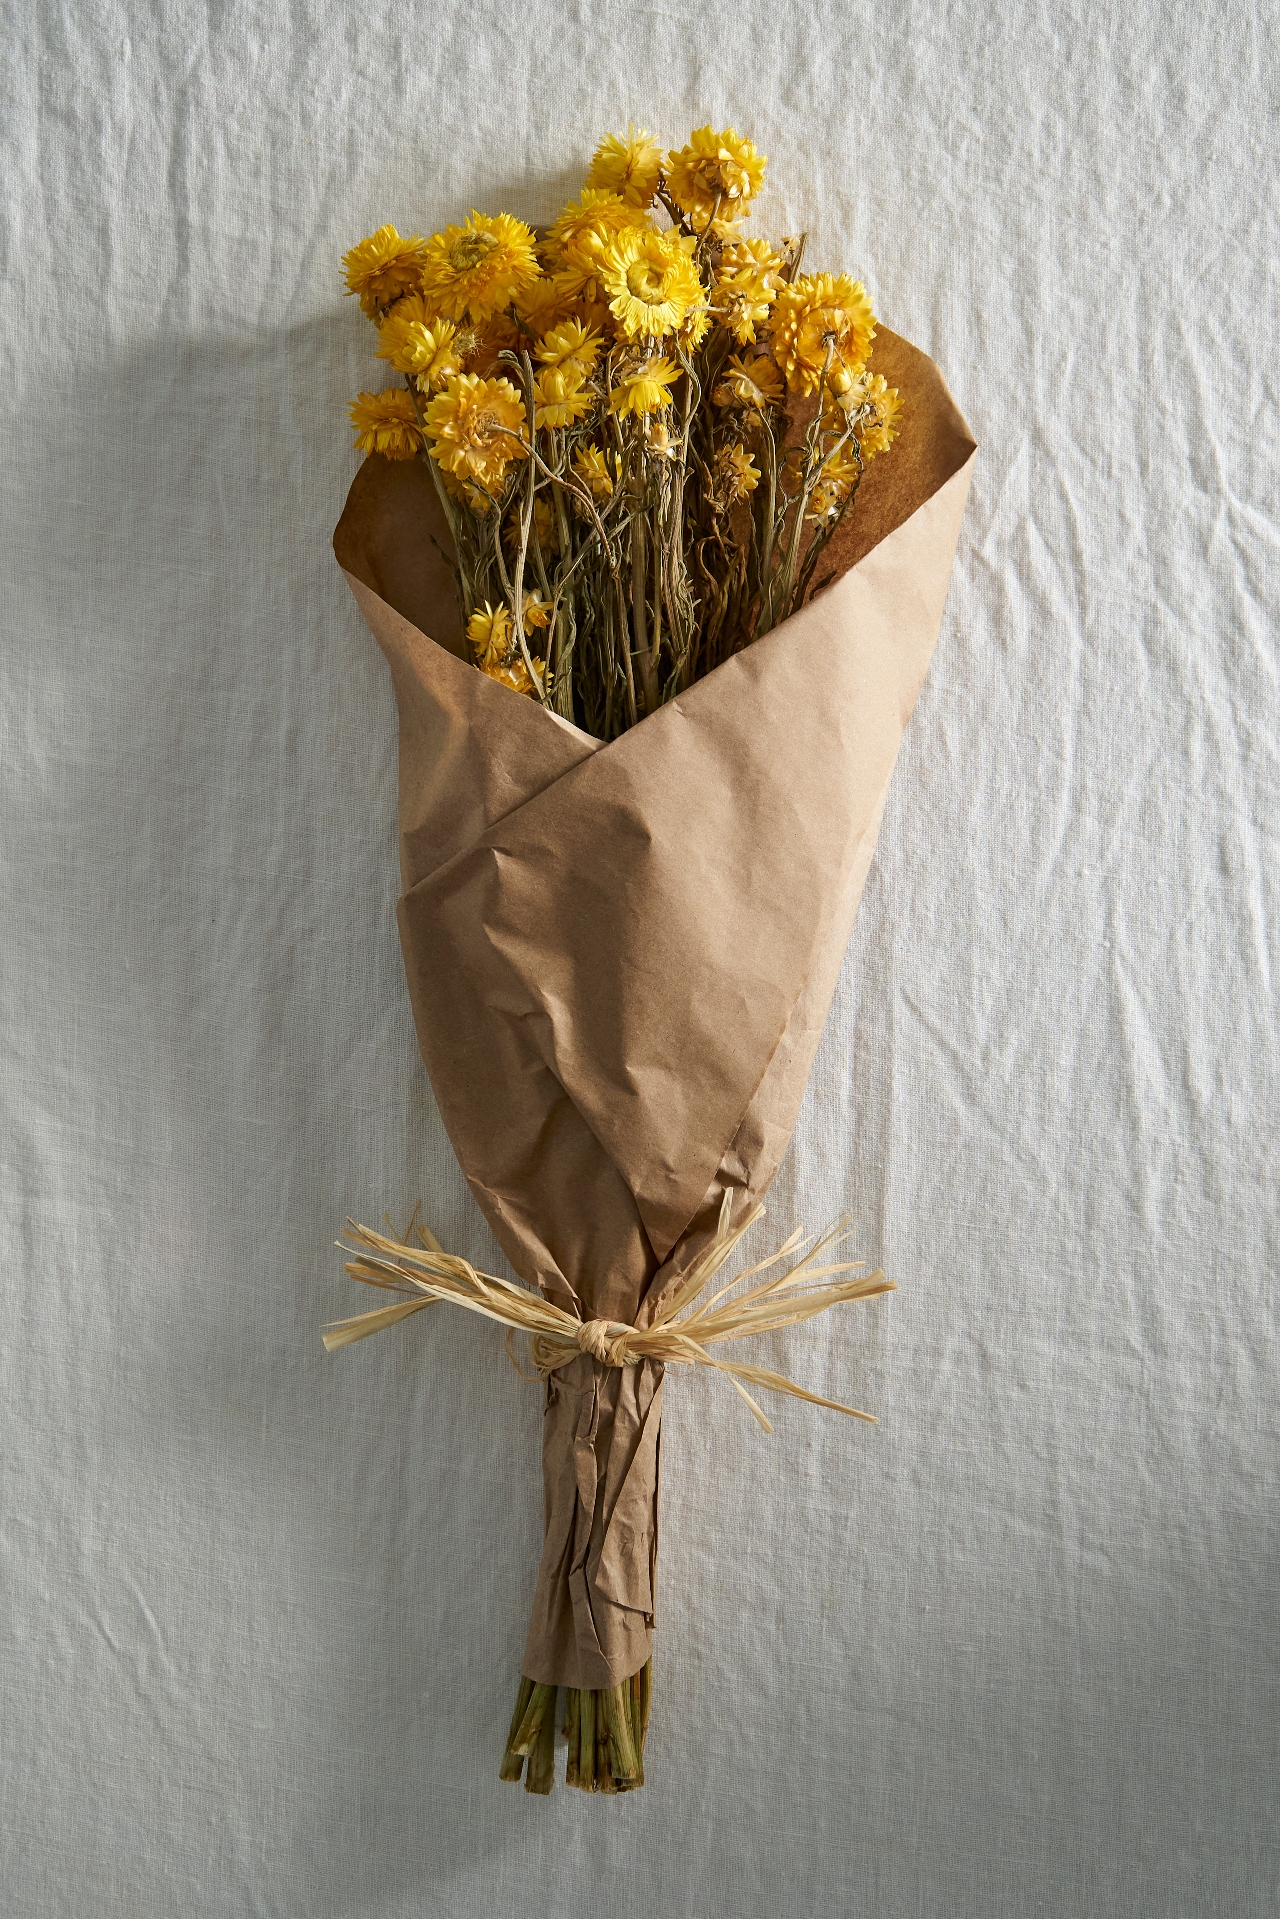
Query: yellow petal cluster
{"points": [[489, 631], [818, 316], [644, 387], [472, 427], [425, 352], [754, 384], [879, 431], [386, 423], [746, 286], [536, 611], [580, 236], [651, 282], [516, 674], [597, 468], [572, 343], [560, 396], [630, 166], [382, 268], [471, 272], [736, 474], [838, 477], [715, 170]]}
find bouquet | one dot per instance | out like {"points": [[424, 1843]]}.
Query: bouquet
{"points": [[657, 558]]}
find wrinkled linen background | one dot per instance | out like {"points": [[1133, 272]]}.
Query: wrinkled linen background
{"points": [[1012, 1651]]}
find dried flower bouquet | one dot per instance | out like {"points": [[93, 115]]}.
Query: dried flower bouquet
{"points": [[619, 479]]}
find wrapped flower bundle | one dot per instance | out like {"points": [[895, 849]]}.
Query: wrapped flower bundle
{"points": [[642, 475]]}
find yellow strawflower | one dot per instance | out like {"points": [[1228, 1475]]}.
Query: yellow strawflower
{"points": [[746, 286], [754, 384], [472, 427], [382, 268], [651, 282], [489, 631], [572, 343], [536, 611], [560, 399], [658, 439], [878, 433], [411, 306], [516, 674], [736, 474], [817, 314], [580, 235], [545, 304], [715, 169], [824, 502], [428, 354], [597, 469], [836, 481], [697, 325], [839, 469], [386, 423], [473, 271], [644, 388], [630, 167]]}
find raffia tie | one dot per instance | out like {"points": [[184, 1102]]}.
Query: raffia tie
{"points": [[606, 1340], [679, 1331]]}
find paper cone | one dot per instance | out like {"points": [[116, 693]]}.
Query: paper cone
{"points": [[620, 956]]}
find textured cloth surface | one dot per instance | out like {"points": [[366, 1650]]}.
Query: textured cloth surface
{"points": [[1012, 1651]]}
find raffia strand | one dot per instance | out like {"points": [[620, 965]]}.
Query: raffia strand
{"points": [[679, 1333]]}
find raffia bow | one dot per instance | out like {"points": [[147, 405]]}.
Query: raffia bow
{"points": [[426, 1273]]}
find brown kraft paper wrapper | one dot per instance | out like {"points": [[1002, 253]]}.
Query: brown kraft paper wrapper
{"points": [[620, 956]]}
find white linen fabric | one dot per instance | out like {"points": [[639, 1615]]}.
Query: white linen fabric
{"points": [[1014, 1649]]}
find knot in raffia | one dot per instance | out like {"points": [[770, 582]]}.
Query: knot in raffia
{"points": [[679, 1329], [606, 1342]]}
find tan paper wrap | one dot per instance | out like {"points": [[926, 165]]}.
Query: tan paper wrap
{"points": [[620, 957]]}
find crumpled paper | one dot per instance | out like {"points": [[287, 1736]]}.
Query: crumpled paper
{"points": [[620, 956]]}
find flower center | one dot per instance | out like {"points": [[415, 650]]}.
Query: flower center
{"points": [[466, 254], [645, 282]]}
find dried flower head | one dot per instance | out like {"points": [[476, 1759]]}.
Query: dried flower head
{"points": [[473, 427], [753, 384], [736, 475], [821, 318], [643, 388], [629, 166], [579, 237], [746, 286], [879, 428], [428, 354], [715, 170], [657, 438], [386, 423], [516, 674], [490, 633], [545, 303], [837, 477], [561, 396], [598, 469], [473, 271], [382, 268], [651, 282], [572, 343], [497, 653], [536, 611]]}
